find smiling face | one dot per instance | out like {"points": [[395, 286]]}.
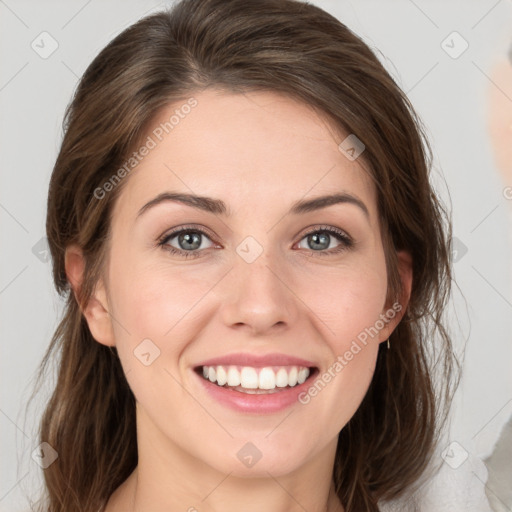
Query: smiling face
{"points": [[262, 278]]}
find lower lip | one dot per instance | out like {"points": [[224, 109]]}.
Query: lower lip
{"points": [[261, 403]]}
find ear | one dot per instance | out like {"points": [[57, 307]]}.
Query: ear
{"points": [[96, 310], [395, 312]]}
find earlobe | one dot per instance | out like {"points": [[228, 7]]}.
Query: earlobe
{"points": [[74, 264], [96, 310], [398, 309], [405, 270]]}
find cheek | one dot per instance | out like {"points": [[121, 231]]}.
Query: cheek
{"points": [[347, 299], [159, 309], [150, 293], [156, 315], [350, 305], [154, 303], [337, 392]]}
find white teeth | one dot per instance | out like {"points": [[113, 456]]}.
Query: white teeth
{"points": [[247, 377], [281, 378], [233, 376], [302, 375], [292, 376], [221, 376], [267, 379]]}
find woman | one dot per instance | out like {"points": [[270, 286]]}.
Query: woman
{"points": [[256, 269]]}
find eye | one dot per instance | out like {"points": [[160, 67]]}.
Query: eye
{"points": [[189, 242], [319, 240]]}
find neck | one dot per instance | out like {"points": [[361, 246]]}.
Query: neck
{"points": [[134, 498]]}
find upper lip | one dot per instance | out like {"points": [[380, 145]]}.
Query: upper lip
{"points": [[257, 361]]}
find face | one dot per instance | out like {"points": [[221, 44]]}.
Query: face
{"points": [[254, 284]]}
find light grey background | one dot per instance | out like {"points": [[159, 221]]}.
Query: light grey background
{"points": [[449, 94]]}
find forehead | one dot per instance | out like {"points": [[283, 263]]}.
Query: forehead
{"points": [[245, 149]]}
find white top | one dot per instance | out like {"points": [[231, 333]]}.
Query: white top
{"points": [[460, 489]]}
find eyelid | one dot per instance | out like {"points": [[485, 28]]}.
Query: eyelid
{"points": [[343, 237], [311, 229], [186, 227], [328, 228], [346, 242]]}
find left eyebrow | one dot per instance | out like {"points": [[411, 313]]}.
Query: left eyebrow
{"points": [[219, 207], [317, 203]]}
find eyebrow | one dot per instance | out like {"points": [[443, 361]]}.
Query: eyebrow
{"points": [[219, 207]]}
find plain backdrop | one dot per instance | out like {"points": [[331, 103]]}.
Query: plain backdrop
{"points": [[37, 81]]}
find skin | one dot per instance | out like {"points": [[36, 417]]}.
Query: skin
{"points": [[499, 120], [290, 300]]}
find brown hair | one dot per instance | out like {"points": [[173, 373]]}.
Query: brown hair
{"points": [[296, 49]]}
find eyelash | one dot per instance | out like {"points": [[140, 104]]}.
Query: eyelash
{"points": [[346, 241]]}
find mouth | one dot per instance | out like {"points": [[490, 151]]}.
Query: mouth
{"points": [[253, 380], [255, 383]]}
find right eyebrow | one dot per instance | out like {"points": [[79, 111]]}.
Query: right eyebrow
{"points": [[219, 207]]}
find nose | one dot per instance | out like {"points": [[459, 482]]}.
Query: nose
{"points": [[258, 297]]}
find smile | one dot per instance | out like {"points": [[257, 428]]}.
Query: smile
{"points": [[254, 380]]}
